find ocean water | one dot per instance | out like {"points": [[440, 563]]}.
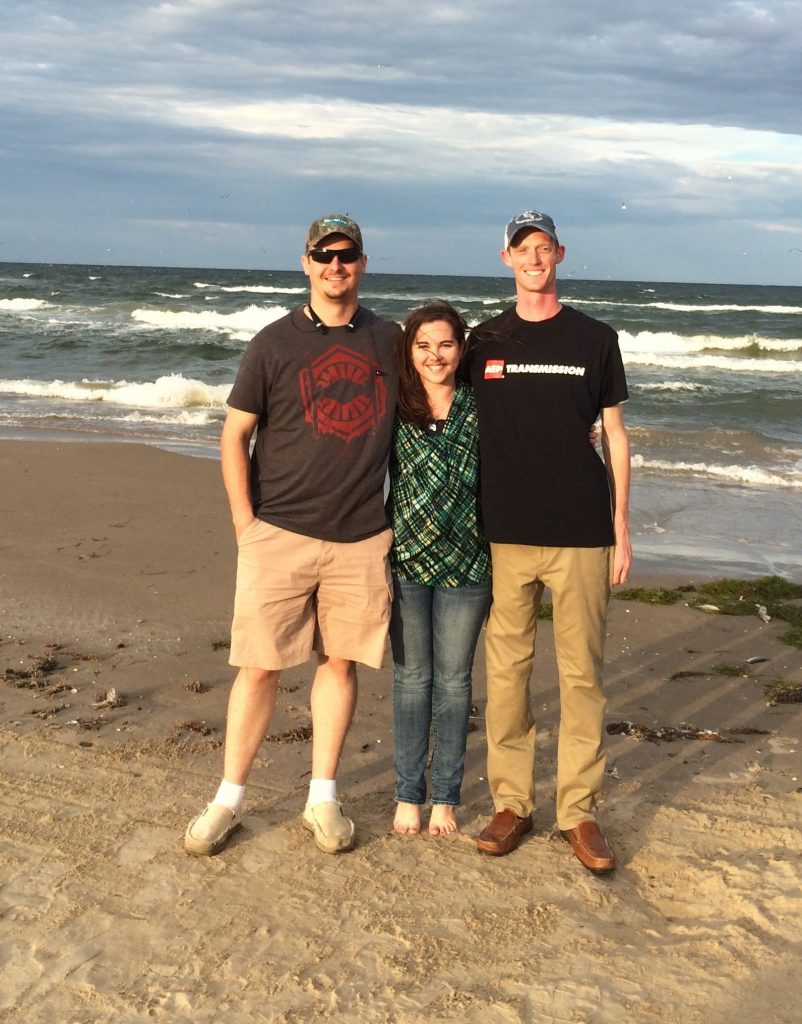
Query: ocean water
{"points": [[715, 415]]}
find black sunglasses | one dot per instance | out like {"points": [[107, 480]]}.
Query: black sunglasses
{"points": [[329, 255]]}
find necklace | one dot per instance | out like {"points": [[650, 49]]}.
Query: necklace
{"points": [[441, 410], [323, 328]]}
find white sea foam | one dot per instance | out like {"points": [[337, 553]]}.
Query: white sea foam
{"points": [[675, 385], [687, 307], [171, 391], [473, 321], [749, 475], [258, 289], [112, 415], [246, 321], [184, 417], [679, 307], [676, 362], [24, 305], [262, 289], [676, 344]]}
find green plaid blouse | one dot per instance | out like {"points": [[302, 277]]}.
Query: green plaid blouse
{"points": [[434, 503]]}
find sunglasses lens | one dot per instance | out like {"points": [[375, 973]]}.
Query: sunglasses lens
{"points": [[328, 255]]}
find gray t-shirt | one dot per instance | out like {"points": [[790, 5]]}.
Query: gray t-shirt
{"points": [[326, 404]]}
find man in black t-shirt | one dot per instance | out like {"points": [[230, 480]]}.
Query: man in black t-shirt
{"points": [[556, 516], [318, 388]]}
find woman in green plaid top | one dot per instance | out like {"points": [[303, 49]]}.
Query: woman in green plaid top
{"points": [[440, 563]]}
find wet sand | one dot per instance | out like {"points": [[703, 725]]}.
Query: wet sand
{"points": [[116, 583]]}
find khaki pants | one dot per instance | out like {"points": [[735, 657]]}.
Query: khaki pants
{"points": [[579, 580]]}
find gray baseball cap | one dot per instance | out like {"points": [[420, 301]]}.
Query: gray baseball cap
{"points": [[530, 219], [333, 224]]}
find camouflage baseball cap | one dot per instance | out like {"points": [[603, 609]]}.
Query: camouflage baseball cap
{"points": [[333, 224]]}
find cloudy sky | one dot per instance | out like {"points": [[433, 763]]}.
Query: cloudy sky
{"points": [[664, 138]]}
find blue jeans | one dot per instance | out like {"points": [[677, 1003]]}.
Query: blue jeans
{"points": [[433, 633]]}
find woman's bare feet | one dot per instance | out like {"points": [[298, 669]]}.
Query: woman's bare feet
{"points": [[407, 819], [443, 821]]}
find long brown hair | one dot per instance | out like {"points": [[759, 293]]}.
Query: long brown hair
{"points": [[413, 404]]}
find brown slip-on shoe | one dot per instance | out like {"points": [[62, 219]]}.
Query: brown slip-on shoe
{"points": [[504, 833], [591, 848]]}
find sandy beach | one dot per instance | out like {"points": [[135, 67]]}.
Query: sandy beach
{"points": [[116, 585]]}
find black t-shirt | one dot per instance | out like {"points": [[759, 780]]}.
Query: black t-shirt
{"points": [[539, 387], [326, 404]]}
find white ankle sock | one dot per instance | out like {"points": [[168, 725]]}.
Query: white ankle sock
{"points": [[322, 791], [230, 795]]}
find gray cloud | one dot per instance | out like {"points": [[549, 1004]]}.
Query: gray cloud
{"points": [[728, 63], [228, 121]]}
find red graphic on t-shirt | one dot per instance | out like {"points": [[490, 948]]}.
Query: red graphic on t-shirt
{"points": [[494, 369], [343, 393]]}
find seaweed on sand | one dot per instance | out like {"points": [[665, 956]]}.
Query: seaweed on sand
{"points": [[763, 589], [683, 731], [33, 678], [792, 614], [298, 734], [716, 670], [767, 597], [740, 597], [779, 691], [649, 595]]}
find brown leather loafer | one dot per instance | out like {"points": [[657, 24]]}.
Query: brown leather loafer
{"points": [[591, 848], [504, 833]]}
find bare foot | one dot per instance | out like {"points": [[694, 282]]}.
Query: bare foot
{"points": [[407, 819], [443, 821]]}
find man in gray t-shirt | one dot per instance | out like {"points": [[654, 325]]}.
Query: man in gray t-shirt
{"points": [[318, 389]]}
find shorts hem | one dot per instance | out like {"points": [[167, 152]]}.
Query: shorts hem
{"points": [[367, 662], [277, 664]]}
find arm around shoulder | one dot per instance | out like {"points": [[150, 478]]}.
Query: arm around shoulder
{"points": [[615, 445], [236, 464]]}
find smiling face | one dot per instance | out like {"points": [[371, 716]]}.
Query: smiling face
{"points": [[533, 257], [435, 353], [336, 281]]}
